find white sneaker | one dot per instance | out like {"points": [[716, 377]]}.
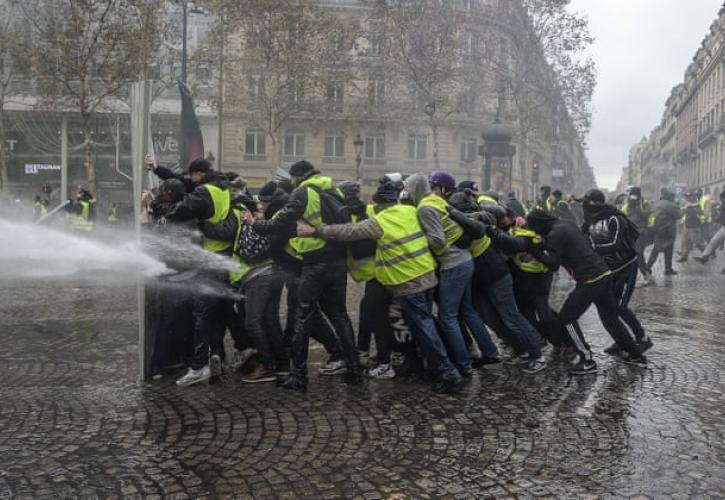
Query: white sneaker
{"points": [[382, 371], [535, 365], [238, 358], [194, 376], [333, 368]]}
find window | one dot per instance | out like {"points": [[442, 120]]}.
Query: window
{"points": [[470, 46], [468, 149], [294, 145], [255, 145], [468, 101], [254, 86], [154, 71], [335, 146], [375, 45], [417, 147], [335, 97], [468, 4], [203, 73], [376, 89], [375, 147]]}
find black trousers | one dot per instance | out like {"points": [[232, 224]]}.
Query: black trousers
{"points": [[261, 318], [324, 284], [375, 317], [322, 331], [175, 328], [668, 251], [601, 294], [532, 291], [624, 283]]}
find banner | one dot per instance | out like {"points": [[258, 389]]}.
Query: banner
{"points": [[191, 138]]}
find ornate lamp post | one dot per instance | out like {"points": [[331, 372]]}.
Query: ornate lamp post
{"points": [[358, 143]]}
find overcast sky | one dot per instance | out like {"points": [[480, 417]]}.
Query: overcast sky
{"points": [[642, 50]]}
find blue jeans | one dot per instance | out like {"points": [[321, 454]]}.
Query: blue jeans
{"points": [[501, 295], [418, 311], [454, 298]]}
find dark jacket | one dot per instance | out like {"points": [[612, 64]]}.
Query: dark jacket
{"points": [[563, 212], [566, 246], [491, 265], [198, 203], [608, 229], [166, 173], [693, 215], [666, 214], [279, 240], [285, 223]]}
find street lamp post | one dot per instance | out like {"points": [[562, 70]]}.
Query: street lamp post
{"points": [[358, 143]]}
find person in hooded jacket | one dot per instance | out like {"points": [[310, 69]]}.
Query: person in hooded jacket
{"points": [[210, 204], [565, 245], [493, 280], [718, 239], [323, 276], [614, 238], [456, 267], [663, 222], [271, 199]]}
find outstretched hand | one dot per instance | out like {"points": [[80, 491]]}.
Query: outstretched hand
{"points": [[304, 230]]}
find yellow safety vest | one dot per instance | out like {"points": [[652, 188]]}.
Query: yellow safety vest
{"points": [[706, 216], [479, 246], [222, 200], [245, 268], [451, 228], [363, 269], [402, 254], [40, 209], [487, 200], [312, 215], [113, 216], [82, 222], [528, 266]]}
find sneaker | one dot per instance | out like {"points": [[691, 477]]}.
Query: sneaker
{"points": [[365, 359], [613, 350], [640, 360], [702, 260], [449, 386], [382, 371], [645, 345], [194, 376], [292, 383], [333, 368], [281, 368], [215, 365], [671, 272], [584, 367], [238, 358], [535, 365], [482, 362], [263, 373], [547, 349]]}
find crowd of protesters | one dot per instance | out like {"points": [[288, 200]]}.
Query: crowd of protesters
{"points": [[455, 279]]}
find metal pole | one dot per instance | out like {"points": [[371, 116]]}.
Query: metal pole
{"points": [[63, 159], [486, 172], [140, 107], [220, 104], [358, 162]]}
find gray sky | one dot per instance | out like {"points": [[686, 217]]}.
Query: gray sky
{"points": [[642, 50]]}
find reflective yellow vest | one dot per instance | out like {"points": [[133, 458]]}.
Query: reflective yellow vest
{"points": [[479, 246], [402, 254], [363, 269], [312, 215], [487, 200], [222, 200], [706, 216], [245, 268], [82, 222], [452, 230], [113, 216], [528, 266], [40, 209]]}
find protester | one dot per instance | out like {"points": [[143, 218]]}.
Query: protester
{"points": [[663, 222], [718, 239]]}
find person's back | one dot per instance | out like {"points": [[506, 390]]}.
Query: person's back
{"points": [[575, 251]]}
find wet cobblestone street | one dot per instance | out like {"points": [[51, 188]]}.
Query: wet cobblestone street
{"points": [[75, 423]]}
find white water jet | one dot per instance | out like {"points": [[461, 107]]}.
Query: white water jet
{"points": [[29, 251]]}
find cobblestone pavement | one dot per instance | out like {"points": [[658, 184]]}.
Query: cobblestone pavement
{"points": [[74, 422]]}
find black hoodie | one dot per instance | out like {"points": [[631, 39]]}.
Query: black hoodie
{"points": [[565, 246], [608, 230]]}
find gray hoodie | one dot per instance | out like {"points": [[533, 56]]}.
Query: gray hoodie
{"points": [[418, 187]]}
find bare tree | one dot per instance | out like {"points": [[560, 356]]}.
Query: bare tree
{"points": [[86, 52], [14, 58], [284, 58]]}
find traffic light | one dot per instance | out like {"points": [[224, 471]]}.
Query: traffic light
{"points": [[535, 167]]}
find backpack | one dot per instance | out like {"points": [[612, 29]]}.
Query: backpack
{"points": [[333, 208]]}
